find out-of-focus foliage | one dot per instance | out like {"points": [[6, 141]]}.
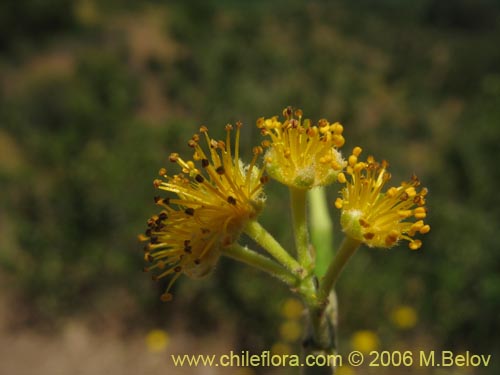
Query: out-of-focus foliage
{"points": [[96, 94]]}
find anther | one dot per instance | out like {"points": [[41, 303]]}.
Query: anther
{"points": [[199, 178], [415, 245], [162, 171], [392, 191], [410, 191], [364, 223], [323, 123], [341, 178], [420, 213], [391, 238], [339, 203], [165, 297], [231, 200], [404, 213], [264, 180], [189, 211], [257, 150], [357, 151], [205, 163], [173, 157], [220, 170], [425, 229], [178, 269], [419, 200], [369, 235]]}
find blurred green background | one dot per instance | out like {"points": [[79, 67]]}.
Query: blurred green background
{"points": [[94, 95]]}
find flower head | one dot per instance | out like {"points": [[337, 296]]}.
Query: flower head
{"points": [[211, 206], [365, 341], [404, 317], [380, 219], [301, 155]]}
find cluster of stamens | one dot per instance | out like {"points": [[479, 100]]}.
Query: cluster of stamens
{"points": [[380, 219], [299, 154], [208, 211]]}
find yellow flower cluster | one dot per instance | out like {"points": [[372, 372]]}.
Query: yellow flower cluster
{"points": [[215, 195], [375, 217], [301, 155], [212, 204]]}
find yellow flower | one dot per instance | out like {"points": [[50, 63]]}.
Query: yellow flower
{"points": [[290, 330], [157, 340], [404, 317], [345, 370], [281, 348], [300, 155], [365, 341], [210, 208], [292, 309], [379, 218]]}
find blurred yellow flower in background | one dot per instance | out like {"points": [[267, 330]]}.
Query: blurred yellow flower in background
{"points": [[345, 370], [292, 309], [281, 348], [157, 340], [291, 330], [404, 317], [365, 341]]}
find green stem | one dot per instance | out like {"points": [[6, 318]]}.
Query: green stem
{"points": [[321, 336], [252, 258], [298, 199], [347, 249], [321, 229], [255, 231]]}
